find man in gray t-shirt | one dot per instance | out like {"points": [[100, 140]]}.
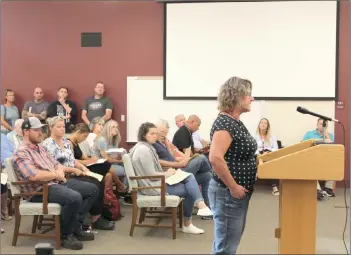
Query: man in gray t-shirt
{"points": [[36, 108], [97, 106]]}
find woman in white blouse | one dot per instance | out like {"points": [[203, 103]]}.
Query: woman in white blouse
{"points": [[266, 143]]}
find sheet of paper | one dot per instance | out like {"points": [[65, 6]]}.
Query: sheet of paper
{"points": [[179, 176], [99, 161], [95, 175], [117, 150], [3, 178]]}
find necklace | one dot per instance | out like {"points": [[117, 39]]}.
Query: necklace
{"points": [[229, 115]]}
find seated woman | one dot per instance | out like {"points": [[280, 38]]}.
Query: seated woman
{"points": [[60, 149], [145, 162], [96, 126], [80, 133], [266, 143], [108, 139]]}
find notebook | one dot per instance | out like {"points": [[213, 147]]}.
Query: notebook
{"points": [[179, 176], [99, 161]]}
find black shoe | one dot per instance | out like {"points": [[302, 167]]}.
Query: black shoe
{"points": [[103, 224], [83, 235], [207, 217], [328, 192], [127, 201], [320, 195], [71, 242]]}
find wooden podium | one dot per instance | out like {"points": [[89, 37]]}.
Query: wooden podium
{"points": [[298, 167]]}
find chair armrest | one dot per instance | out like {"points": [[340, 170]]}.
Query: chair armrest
{"points": [[43, 193], [162, 187]]}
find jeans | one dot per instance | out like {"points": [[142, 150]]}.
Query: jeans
{"points": [[188, 189], [76, 198], [229, 215], [200, 167], [98, 205], [121, 172]]}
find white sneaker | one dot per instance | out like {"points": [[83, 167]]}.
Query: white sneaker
{"points": [[2, 231], [191, 229], [205, 212], [275, 191]]}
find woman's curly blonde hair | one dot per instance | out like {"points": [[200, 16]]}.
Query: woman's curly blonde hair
{"points": [[232, 92]]}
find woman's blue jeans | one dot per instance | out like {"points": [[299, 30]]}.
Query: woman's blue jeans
{"points": [[229, 215], [188, 189]]}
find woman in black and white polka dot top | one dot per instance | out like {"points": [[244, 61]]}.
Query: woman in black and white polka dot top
{"points": [[232, 156]]}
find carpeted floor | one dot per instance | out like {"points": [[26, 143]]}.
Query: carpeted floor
{"points": [[258, 237]]}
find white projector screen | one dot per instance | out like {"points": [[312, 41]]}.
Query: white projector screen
{"points": [[287, 49]]}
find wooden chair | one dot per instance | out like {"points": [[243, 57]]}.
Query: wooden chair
{"points": [[149, 204], [25, 208]]}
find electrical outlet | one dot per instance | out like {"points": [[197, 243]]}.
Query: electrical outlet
{"points": [[123, 118]]}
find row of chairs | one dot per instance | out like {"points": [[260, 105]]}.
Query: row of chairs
{"points": [[48, 214]]}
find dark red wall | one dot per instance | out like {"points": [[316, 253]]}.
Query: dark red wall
{"points": [[40, 46]]}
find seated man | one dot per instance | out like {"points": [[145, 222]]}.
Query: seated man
{"points": [[32, 162], [318, 134], [6, 152], [198, 165], [199, 142], [183, 138]]}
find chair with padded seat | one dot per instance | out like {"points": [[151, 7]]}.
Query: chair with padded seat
{"points": [[26, 208], [150, 205]]}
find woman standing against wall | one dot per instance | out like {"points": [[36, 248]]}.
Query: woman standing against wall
{"points": [[9, 112]]}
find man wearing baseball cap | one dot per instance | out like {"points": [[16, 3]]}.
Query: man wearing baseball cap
{"points": [[32, 162]]}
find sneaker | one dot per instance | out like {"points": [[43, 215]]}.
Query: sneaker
{"points": [[103, 224], [328, 192], [2, 231], [191, 229], [205, 212], [207, 217], [71, 242], [83, 235], [320, 195], [275, 191], [7, 218]]}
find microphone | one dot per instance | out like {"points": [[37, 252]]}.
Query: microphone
{"points": [[305, 111]]}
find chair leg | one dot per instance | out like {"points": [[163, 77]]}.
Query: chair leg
{"points": [[58, 232], [40, 221], [142, 215], [134, 218], [174, 221], [181, 214], [35, 223], [9, 205], [17, 226]]}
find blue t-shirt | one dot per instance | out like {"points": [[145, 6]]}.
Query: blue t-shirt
{"points": [[162, 152], [6, 149], [313, 134]]}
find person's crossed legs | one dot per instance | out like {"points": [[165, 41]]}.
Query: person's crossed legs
{"points": [[200, 167], [76, 198]]}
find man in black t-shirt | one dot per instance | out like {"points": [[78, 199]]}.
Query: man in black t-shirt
{"points": [[183, 138], [64, 108]]}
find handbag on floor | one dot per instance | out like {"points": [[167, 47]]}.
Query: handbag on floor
{"points": [[112, 209]]}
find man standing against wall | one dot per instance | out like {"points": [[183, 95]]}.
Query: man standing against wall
{"points": [[36, 108], [97, 106]]}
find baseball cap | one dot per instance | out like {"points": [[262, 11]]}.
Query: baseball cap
{"points": [[32, 122]]}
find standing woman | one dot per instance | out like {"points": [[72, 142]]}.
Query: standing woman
{"points": [[266, 143], [232, 156], [9, 112]]}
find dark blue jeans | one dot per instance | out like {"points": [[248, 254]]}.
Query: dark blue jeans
{"points": [[76, 198], [200, 167], [229, 215]]}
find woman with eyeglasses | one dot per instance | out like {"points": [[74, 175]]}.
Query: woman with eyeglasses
{"points": [[60, 149], [9, 112]]}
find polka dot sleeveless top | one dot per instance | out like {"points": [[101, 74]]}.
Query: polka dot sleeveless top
{"points": [[240, 156]]}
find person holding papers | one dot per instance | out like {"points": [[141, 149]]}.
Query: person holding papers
{"points": [[60, 149], [145, 162]]}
